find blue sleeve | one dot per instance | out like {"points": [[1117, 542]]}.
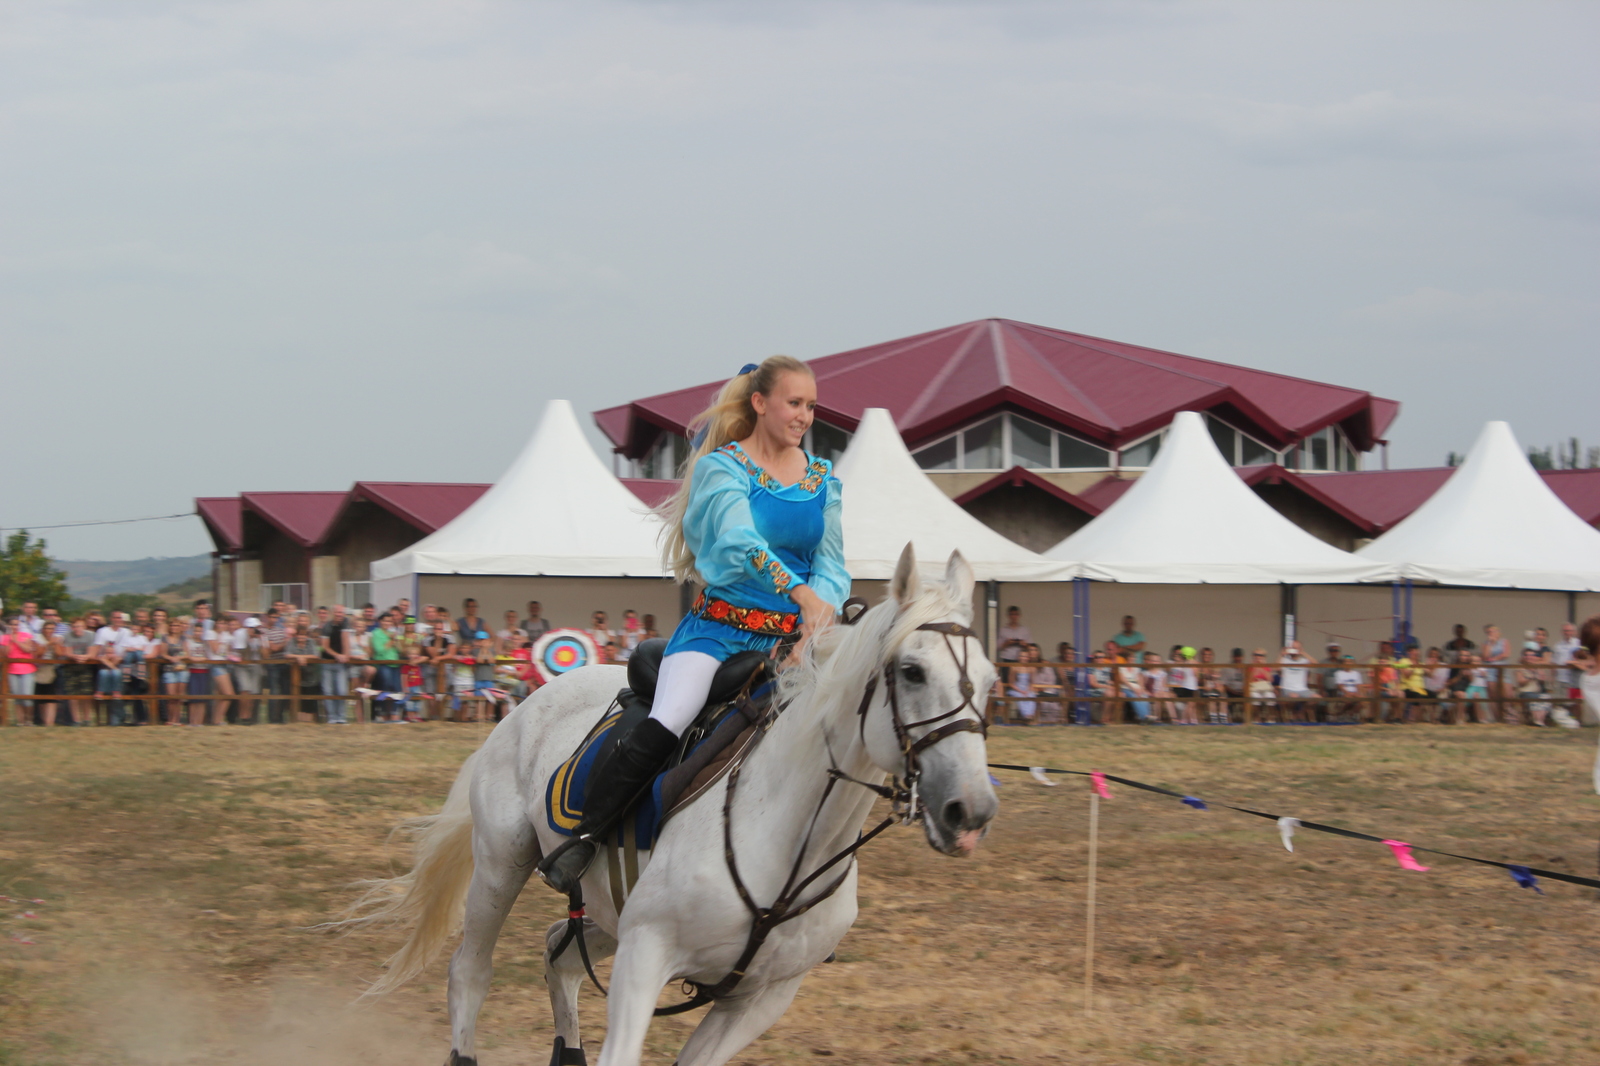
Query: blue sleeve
{"points": [[829, 578], [721, 532]]}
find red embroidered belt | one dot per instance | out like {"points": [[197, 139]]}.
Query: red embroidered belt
{"points": [[750, 619]]}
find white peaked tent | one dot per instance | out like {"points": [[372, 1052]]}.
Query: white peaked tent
{"points": [[1494, 523], [1190, 520], [556, 512], [888, 501]]}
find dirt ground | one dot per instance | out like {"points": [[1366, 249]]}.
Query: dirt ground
{"points": [[179, 870]]}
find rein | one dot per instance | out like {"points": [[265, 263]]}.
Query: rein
{"points": [[906, 806]]}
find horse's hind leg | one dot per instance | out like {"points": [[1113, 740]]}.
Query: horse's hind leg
{"points": [[565, 975], [504, 853], [731, 1024]]}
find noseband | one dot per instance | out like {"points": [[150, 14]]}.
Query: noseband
{"points": [[903, 791]]}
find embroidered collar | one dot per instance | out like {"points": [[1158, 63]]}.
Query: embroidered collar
{"points": [[810, 483]]}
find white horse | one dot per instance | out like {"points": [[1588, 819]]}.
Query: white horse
{"points": [[900, 693]]}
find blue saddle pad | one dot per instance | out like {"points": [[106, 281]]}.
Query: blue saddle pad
{"points": [[563, 796]]}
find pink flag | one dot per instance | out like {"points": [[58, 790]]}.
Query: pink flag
{"points": [[1098, 781], [1402, 855]]}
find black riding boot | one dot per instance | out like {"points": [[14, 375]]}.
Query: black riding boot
{"points": [[637, 758]]}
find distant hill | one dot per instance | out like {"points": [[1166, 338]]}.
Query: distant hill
{"points": [[92, 580]]}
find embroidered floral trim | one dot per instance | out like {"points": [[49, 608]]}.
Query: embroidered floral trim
{"points": [[810, 483], [749, 619], [766, 566]]}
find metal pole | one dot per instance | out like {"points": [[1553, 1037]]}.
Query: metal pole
{"points": [[1088, 929]]}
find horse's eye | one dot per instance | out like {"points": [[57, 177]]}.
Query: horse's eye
{"points": [[913, 673]]}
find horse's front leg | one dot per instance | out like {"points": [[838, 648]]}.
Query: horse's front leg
{"points": [[731, 1024], [639, 974], [565, 975]]}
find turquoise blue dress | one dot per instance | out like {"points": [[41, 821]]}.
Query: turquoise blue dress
{"points": [[753, 540]]}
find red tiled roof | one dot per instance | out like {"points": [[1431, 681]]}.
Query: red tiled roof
{"points": [[224, 518], [653, 492], [1107, 491], [1105, 391], [1578, 489], [1018, 476], [427, 505], [304, 517]]}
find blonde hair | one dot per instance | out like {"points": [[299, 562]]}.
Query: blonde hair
{"points": [[730, 417]]}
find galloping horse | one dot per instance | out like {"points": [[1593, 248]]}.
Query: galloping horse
{"points": [[897, 694]]}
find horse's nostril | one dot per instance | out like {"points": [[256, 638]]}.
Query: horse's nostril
{"points": [[955, 814]]}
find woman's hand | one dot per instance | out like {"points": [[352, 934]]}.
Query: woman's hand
{"points": [[816, 614]]}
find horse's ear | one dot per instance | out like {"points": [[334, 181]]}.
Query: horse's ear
{"points": [[907, 583], [958, 575]]}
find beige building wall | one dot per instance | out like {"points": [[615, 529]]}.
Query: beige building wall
{"points": [[565, 601], [1221, 617], [324, 580], [247, 581], [1361, 615]]}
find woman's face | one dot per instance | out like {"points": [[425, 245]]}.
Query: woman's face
{"points": [[787, 411]]}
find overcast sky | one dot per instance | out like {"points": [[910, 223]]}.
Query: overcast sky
{"points": [[281, 245]]}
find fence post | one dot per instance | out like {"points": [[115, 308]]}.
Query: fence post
{"points": [[5, 693], [294, 689]]}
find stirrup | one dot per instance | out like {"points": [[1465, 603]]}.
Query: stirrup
{"points": [[552, 861]]}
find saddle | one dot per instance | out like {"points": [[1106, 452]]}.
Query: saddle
{"points": [[739, 698]]}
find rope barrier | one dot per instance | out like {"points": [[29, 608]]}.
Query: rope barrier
{"points": [[1517, 871]]}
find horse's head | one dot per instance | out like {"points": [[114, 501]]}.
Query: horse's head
{"points": [[926, 722]]}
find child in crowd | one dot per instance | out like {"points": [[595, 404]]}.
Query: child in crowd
{"points": [[1019, 685], [1185, 682], [1263, 696], [412, 681], [1212, 693], [1131, 687], [1436, 676], [1159, 688], [1047, 683], [1348, 682], [1531, 689]]}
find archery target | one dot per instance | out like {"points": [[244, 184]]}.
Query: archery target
{"points": [[561, 651]]}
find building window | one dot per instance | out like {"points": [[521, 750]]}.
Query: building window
{"points": [[1238, 447], [1031, 445], [296, 594], [1009, 440], [1143, 453], [983, 448], [355, 594], [666, 457], [1326, 449], [827, 442]]}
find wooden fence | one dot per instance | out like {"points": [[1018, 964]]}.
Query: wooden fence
{"points": [[1075, 697]]}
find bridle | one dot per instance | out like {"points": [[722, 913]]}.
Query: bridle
{"points": [[901, 792]]}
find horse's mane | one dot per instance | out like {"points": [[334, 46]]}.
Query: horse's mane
{"points": [[837, 663]]}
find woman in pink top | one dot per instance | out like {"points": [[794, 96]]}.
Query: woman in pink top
{"points": [[18, 645]]}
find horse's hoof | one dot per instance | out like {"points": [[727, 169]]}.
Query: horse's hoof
{"points": [[456, 1059], [562, 1055]]}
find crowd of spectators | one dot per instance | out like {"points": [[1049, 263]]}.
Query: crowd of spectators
{"points": [[1537, 684], [244, 669], [248, 668]]}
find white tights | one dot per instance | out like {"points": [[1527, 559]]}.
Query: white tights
{"points": [[682, 687]]}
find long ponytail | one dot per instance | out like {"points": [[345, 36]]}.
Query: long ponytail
{"points": [[730, 417]]}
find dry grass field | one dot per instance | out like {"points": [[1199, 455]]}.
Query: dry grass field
{"points": [[180, 870]]}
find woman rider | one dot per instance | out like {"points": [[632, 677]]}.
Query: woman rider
{"points": [[756, 523]]}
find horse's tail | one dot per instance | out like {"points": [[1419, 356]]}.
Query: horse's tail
{"points": [[431, 897]]}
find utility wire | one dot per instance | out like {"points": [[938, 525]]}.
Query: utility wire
{"points": [[105, 522]]}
